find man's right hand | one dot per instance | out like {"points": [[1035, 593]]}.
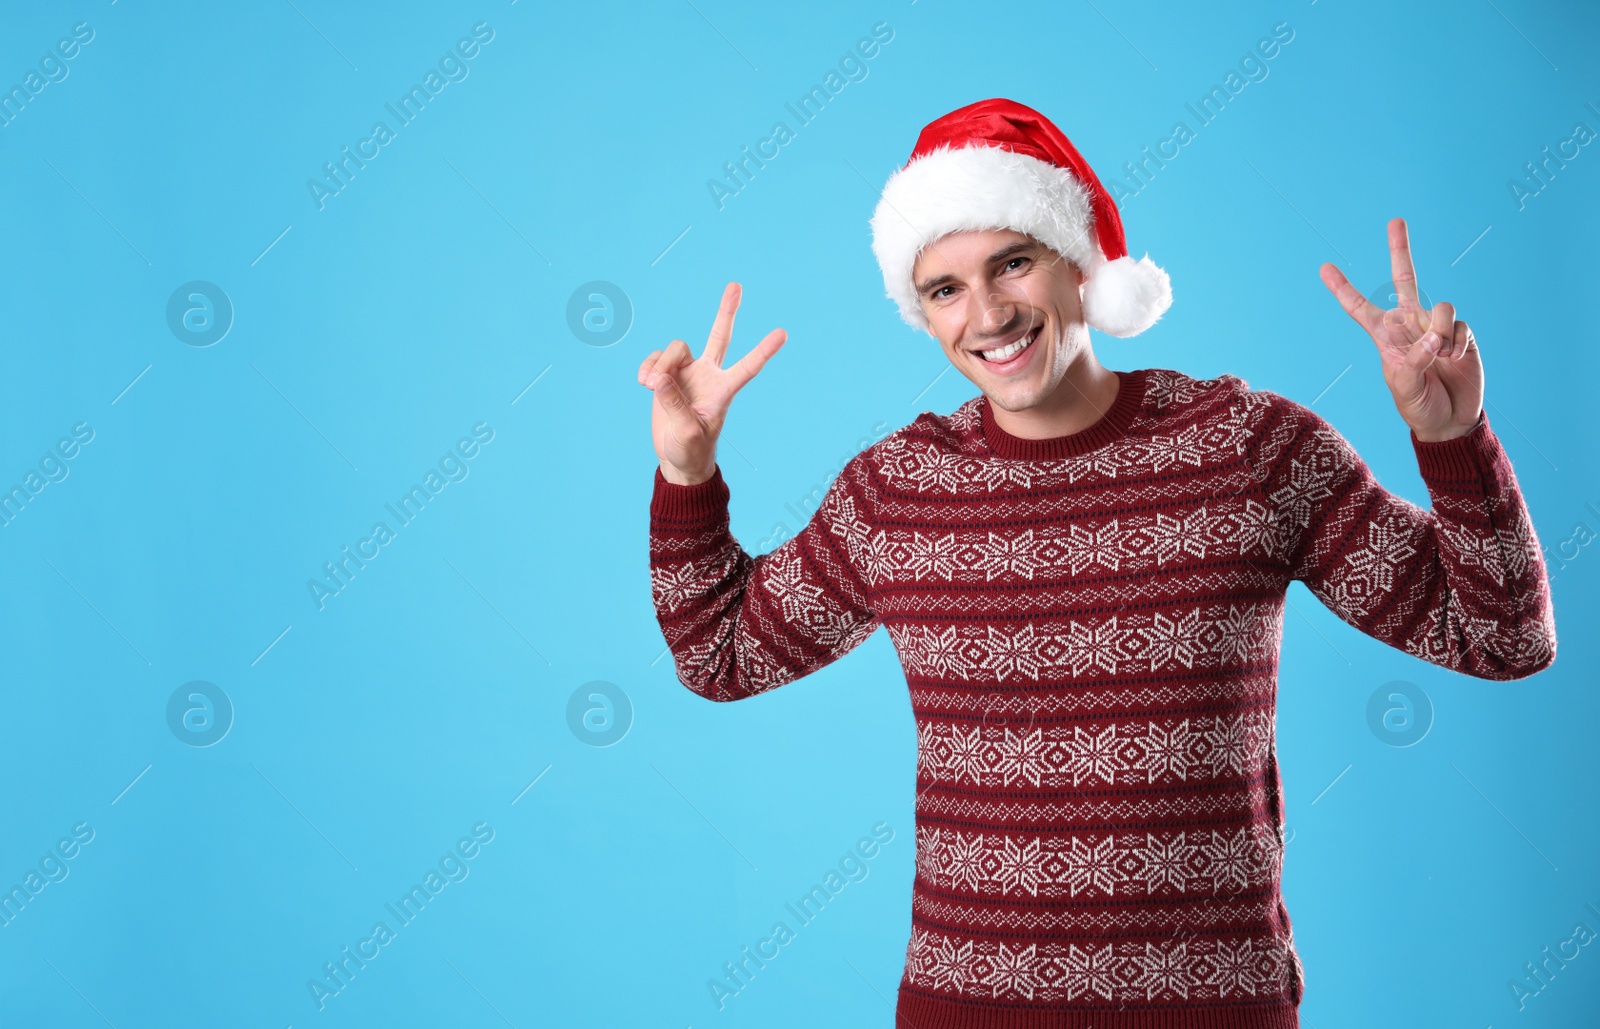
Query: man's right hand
{"points": [[692, 394]]}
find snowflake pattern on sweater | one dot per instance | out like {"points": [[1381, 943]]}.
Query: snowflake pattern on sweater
{"points": [[1090, 627]]}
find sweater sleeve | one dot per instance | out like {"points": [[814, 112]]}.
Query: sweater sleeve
{"points": [[1462, 585], [740, 625]]}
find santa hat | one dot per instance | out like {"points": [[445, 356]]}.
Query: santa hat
{"points": [[996, 164]]}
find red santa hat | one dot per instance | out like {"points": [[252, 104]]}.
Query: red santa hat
{"points": [[997, 164]]}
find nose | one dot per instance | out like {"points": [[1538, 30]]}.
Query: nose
{"points": [[996, 313]]}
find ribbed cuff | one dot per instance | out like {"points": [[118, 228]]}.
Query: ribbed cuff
{"points": [[704, 502], [1464, 458]]}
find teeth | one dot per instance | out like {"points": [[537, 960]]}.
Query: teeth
{"points": [[1004, 353]]}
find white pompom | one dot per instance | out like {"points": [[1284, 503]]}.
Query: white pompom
{"points": [[1125, 297]]}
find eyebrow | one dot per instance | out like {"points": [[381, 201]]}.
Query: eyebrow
{"points": [[999, 255]]}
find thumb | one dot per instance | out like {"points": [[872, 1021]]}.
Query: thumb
{"points": [[673, 400], [667, 390], [1411, 375]]}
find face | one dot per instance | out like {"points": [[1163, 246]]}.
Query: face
{"points": [[986, 289]]}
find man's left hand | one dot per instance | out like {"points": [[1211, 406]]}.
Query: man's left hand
{"points": [[1430, 359]]}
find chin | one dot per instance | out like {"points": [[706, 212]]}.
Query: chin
{"points": [[1016, 398]]}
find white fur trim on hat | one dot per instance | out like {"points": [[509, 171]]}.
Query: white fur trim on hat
{"points": [[984, 187]]}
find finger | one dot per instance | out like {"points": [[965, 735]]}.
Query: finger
{"points": [[667, 363], [1411, 378], [1409, 323], [1366, 314], [669, 394], [747, 366], [646, 365], [1463, 340], [1443, 324], [722, 328], [1400, 267]]}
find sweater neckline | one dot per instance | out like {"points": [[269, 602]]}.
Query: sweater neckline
{"points": [[1111, 426]]}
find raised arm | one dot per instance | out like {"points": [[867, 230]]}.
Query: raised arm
{"points": [[1462, 586], [739, 625]]}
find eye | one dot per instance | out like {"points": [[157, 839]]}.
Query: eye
{"points": [[938, 294], [1014, 260]]}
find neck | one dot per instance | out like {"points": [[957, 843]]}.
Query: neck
{"points": [[1082, 397]]}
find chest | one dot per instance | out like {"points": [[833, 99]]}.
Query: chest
{"points": [[1166, 558], [1141, 523]]}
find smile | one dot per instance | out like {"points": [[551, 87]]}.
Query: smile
{"points": [[1007, 354]]}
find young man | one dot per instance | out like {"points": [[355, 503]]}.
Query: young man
{"points": [[1083, 572]]}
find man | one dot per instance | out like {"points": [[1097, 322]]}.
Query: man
{"points": [[1083, 572]]}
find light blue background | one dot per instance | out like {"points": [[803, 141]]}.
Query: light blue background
{"points": [[370, 335]]}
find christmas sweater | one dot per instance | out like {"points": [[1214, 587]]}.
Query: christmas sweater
{"points": [[1089, 627]]}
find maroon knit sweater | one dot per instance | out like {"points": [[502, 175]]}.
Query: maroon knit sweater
{"points": [[1089, 627]]}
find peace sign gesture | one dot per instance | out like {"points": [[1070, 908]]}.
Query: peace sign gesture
{"points": [[692, 394], [1430, 359]]}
